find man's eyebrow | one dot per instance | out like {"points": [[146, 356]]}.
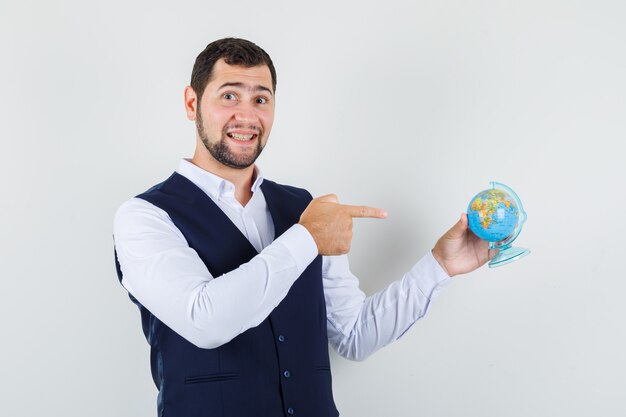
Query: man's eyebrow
{"points": [[242, 85]]}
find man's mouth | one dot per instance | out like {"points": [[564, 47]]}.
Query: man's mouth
{"points": [[242, 137]]}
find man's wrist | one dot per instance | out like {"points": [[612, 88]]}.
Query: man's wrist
{"points": [[300, 245], [440, 261]]}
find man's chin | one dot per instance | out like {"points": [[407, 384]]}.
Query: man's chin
{"points": [[237, 163]]}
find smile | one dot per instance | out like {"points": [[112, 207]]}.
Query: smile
{"points": [[242, 138]]}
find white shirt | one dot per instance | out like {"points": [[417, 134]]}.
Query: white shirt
{"points": [[168, 277]]}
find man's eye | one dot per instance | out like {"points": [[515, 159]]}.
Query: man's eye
{"points": [[229, 96], [261, 100]]}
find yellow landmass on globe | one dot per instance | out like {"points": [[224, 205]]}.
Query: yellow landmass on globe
{"points": [[486, 207]]}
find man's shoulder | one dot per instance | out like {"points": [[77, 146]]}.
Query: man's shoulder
{"points": [[176, 189], [142, 205], [173, 181]]}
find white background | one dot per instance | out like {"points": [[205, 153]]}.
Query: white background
{"points": [[410, 106]]}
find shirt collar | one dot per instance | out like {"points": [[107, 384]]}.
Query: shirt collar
{"points": [[213, 185]]}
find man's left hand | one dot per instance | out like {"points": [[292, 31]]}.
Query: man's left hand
{"points": [[460, 251]]}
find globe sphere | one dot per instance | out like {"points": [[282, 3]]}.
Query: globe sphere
{"points": [[493, 215]]}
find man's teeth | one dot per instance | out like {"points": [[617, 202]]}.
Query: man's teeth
{"points": [[240, 137]]}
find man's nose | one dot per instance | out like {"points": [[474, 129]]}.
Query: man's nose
{"points": [[246, 113]]}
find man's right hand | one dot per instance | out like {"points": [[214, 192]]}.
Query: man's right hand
{"points": [[330, 223]]}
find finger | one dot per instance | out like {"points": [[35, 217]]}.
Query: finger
{"points": [[329, 198], [365, 211]]}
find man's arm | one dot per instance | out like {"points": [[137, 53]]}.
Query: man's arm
{"points": [[359, 325], [168, 277]]}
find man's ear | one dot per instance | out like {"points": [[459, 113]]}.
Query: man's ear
{"points": [[191, 103]]}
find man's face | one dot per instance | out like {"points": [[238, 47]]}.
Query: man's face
{"points": [[236, 112]]}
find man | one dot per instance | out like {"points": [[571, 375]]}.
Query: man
{"points": [[242, 282]]}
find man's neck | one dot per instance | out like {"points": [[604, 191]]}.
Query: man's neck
{"points": [[242, 179]]}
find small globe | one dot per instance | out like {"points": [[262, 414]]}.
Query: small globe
{"points": [[496, 215], [493, 215]]}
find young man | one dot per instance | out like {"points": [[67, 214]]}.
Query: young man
{"points": [[242, 282]]}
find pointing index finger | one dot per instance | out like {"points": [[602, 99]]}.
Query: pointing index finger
{"points": [[365, 211]]}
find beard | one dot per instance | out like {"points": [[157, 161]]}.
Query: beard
{"points": [[221, 150]]}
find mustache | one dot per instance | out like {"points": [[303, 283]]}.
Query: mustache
{"points": [[257, 129]]}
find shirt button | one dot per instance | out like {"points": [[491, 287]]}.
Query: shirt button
{"points": [[290, 411], [287, 374], [281, 338]]}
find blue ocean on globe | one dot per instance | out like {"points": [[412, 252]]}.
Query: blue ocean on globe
{"points": [[492, 215]]}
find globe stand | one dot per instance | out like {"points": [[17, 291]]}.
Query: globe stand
{"points": [[506, 254]]}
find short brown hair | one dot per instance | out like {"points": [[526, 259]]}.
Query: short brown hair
{"points": [[234, 51]]}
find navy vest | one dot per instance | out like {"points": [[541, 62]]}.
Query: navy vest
{"points": [[279, 368]]}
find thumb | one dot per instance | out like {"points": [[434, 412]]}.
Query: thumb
{"points": [[459, 228], [463, 221]]}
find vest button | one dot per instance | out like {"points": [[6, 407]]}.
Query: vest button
{"points": [[281, 338], [287, 374], [290, 411]]}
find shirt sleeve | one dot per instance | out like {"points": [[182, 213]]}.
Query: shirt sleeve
{"points": [[359, 325], [169, 279]]}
